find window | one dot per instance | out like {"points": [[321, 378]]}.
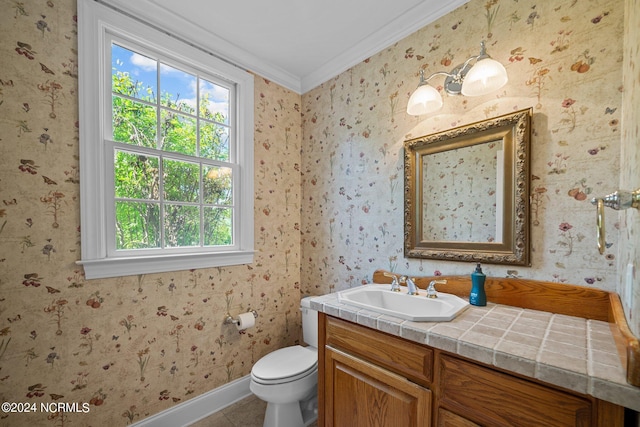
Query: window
{"points": [[166, 151]]}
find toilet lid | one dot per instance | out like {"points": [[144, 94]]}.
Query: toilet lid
{"points": [[285, 364]]}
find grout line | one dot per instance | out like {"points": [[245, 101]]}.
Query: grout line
{"points": [[590, 368], [460, 339], [542, 346], [589, 350], [495, 363]]}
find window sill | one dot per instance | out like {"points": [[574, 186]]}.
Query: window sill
{"points": [[116, 267]]}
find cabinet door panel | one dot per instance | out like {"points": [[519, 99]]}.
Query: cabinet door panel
{"points": [[359, 394], [495, 398]]}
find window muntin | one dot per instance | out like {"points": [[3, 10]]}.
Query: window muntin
{"points": [[179, 183]]}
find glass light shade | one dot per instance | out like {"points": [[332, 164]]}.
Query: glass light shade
{"points": [[425, 99], [487, 75]]}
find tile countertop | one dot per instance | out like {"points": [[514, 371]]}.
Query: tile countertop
{"points": [[570, 352]]}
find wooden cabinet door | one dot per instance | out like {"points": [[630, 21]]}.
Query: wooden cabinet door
{"points": [[360, 394]]}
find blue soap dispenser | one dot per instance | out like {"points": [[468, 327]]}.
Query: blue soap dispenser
{"points": [[477, 295]]}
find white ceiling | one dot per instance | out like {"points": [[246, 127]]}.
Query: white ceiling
{"points": [[296, 43]]}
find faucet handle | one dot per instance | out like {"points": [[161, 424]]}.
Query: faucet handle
{"points": [[395, 286], [431, 290], [391, 275]]}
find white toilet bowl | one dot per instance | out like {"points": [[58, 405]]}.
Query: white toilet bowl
{"points": [[287, 379]]}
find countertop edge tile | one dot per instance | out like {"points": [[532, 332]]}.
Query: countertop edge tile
{"points": [[368, 318], [443, 342], [389, 324], [514, 363], [349, 313], [415, 332], [475, 352], [563, 378], [615, 393]]}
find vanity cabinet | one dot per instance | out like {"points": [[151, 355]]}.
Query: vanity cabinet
{"points": [[370, 378]]}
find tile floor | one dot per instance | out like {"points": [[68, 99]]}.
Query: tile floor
{"points": [[249, 412]]}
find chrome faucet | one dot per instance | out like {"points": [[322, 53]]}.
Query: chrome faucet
{"points": [[395, 286], [412, 288], [431, 290]]}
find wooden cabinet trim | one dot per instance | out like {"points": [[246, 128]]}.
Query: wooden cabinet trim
{"points": [[608, 414], [395, 354], [322, 386]]}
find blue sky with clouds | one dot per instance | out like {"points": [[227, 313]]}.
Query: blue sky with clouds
{"points": [[178, 83]]}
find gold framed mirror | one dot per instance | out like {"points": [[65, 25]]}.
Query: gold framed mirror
{"points": [[467, 192]]}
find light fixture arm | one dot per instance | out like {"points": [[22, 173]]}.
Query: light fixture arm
{"points": [[453, 80], [484, 76], [453, 83], [424, 80], [483, 52]]}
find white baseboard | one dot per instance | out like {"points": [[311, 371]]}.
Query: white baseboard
{"points": [[201, 406]]}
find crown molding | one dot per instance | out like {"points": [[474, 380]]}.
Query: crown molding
{"points": [[166, 21], [406, 24]]}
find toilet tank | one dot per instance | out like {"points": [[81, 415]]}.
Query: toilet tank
{"points": [[309, 322]]}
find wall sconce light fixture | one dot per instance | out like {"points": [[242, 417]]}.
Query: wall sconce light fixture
{"points": [[484, 76]]}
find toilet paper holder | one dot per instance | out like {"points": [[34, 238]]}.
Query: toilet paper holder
{"points": [[229, 320]]}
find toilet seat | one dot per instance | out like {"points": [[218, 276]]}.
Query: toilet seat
{"points": [[285, 365]]}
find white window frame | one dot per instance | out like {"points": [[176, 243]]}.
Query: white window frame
{"points": [[97, 25]]}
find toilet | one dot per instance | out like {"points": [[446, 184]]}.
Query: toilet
{"points": [[287, 379]]}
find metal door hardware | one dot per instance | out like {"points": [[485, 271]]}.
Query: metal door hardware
{"points": [[619, 200]]}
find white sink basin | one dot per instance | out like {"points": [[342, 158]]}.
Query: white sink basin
{"points": [[417, 308]]}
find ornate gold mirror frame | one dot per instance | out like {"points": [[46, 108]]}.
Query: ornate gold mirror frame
{"points": [[467, 192]]}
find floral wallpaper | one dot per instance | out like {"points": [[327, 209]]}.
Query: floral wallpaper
{"points": [[328, 199], [564, 60], [127, 347]]}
